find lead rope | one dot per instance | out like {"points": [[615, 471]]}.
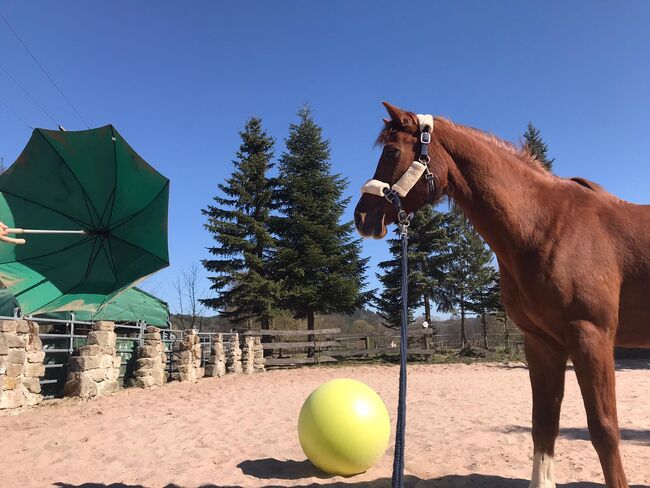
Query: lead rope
{"points": [[404, 221]]}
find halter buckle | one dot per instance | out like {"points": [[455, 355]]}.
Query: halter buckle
{"points": [[425, 137], [389, 194], [403, 218]]}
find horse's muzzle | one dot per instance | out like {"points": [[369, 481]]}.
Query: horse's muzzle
{"points": [[370, 224]]}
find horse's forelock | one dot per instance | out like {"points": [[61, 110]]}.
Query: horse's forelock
{"points": [[390, 129]]}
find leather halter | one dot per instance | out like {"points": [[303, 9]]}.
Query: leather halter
{"points": [[412, 175]]}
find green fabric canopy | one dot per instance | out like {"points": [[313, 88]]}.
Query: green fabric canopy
{"points": [[88, 180], [130, 306]]}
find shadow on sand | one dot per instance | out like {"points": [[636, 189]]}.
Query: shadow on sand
{"points": [[293, 467], [633, 436], [274, 469], [641, 363], [621, 364]]}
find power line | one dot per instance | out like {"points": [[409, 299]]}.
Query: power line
{"points": [[16, 114], [28, 94], [43, 70]]}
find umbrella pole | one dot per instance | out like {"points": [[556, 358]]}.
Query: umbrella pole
{"points": [[12, 240], [44, 231]]}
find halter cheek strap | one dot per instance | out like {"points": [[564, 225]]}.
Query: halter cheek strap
{"points": [[414, 172]]}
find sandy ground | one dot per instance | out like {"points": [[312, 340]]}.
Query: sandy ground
{"points": [[468, 425]]}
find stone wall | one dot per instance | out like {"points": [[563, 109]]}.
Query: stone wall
{"points": [[151, 360], [233, 356], [187, 357], [21, 364], [253, 355], [94, 369], [217, 362]]}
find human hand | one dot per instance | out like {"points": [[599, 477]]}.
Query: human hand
{"points": [[5, 238]]}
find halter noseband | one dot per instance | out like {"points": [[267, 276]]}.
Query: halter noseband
{"points": [[412, 175]]}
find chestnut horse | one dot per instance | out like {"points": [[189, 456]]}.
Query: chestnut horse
{"points": [[574, 263]]}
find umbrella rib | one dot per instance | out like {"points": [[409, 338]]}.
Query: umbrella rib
{"points": [[44, 280], [141, 248], [109, 257], [111, 202], [132, 216], [93, 257], [114, 192], [83, 190], [67, 248], [64, 293], [74, 219]]}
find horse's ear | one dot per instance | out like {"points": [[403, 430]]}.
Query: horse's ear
{"points": [[398, 115]]}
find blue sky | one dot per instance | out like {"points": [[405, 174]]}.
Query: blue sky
{"points": [[179, 79]]}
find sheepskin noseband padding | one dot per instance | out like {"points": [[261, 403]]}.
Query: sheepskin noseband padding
{"points": [[409, 178], [375, 187]]}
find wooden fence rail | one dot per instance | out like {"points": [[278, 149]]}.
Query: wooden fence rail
{"points": [[289, 348]]}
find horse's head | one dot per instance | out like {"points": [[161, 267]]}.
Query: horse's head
{"points": [[402, 141]]}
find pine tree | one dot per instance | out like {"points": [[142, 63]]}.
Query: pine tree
{"points": [[426, 253], [499, 312], [486, 297], [239, 221], [466, 268], [318, 259], [537, 146]]}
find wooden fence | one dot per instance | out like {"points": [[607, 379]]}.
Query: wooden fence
{"points": [[293, 347]]}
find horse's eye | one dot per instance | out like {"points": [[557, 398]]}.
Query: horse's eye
{"points": [[392, 152]]}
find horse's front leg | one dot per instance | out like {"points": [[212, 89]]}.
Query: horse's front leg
{"points": [[546, 366], [591, 349]]}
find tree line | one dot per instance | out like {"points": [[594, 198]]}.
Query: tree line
{"points": [[281, 245], [279, 240]]}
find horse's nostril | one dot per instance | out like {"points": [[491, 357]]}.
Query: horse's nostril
{"points": [[359, 218]]}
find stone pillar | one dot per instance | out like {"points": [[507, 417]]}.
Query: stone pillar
{"points": [[21, 364], [233, 356], [259, 365], [150, 365], [253, 355], [217, 362], [94, 369], [187, 355]]}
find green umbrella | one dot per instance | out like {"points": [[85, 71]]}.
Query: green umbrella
{"points": [[94, 184], [132, 305]]}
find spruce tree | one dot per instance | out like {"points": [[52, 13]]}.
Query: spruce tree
{"points": [[500, 314], [537, 146], [239, 222], [469, 261], [486, 297], [318, 259], [427, 246]]}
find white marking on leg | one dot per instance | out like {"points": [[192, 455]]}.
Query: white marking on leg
{"points": [[543, 475]]}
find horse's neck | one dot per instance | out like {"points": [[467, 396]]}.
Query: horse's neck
{"points": [[498, 193]]}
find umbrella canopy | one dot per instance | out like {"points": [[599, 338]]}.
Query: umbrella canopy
{"points": [[87, 180], [132, 305]]}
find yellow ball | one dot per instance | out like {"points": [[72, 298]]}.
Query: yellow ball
{"points": [[344, 427]]}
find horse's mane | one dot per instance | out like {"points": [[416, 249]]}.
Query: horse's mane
{"points": [[520, 152], [589, 184]]}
